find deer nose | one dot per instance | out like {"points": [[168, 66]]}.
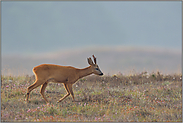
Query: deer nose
{"points": [[101, 74]]}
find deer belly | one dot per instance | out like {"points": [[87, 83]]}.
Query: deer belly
{"points": [[57, 80]]}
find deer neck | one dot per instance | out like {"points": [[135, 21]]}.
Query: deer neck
{"points": [[85, 72]]}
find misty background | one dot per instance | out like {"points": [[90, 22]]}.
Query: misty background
{"points": [[124, 36]]}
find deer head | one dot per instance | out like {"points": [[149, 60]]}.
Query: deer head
{"points": [[95, 68]]}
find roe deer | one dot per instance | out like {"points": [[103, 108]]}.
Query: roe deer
{"points": [[67, 75]]}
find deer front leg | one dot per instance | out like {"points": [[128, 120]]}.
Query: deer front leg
{"points": [[68, 93], [71, 92]]}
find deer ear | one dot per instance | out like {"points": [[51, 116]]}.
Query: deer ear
{"points": [[95, 60], [90, 62]]}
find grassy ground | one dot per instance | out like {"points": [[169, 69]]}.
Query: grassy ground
{"points": [[138, 97]]}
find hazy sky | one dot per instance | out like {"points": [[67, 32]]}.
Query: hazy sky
{"points": [[33, 27]]}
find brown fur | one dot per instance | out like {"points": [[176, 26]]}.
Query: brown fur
{"points": [[67, 75]]}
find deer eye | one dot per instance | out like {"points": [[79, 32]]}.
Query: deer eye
{"points": [[96, 69]]}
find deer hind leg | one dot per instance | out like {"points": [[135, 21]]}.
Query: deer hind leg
{"points": [[33, 86], [43, 87], [68, 93]]}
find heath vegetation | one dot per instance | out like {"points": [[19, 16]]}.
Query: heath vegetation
{"points": [[138, 97]]}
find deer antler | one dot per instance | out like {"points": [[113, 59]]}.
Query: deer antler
{"points": [[95, 61], [90, 62]]}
